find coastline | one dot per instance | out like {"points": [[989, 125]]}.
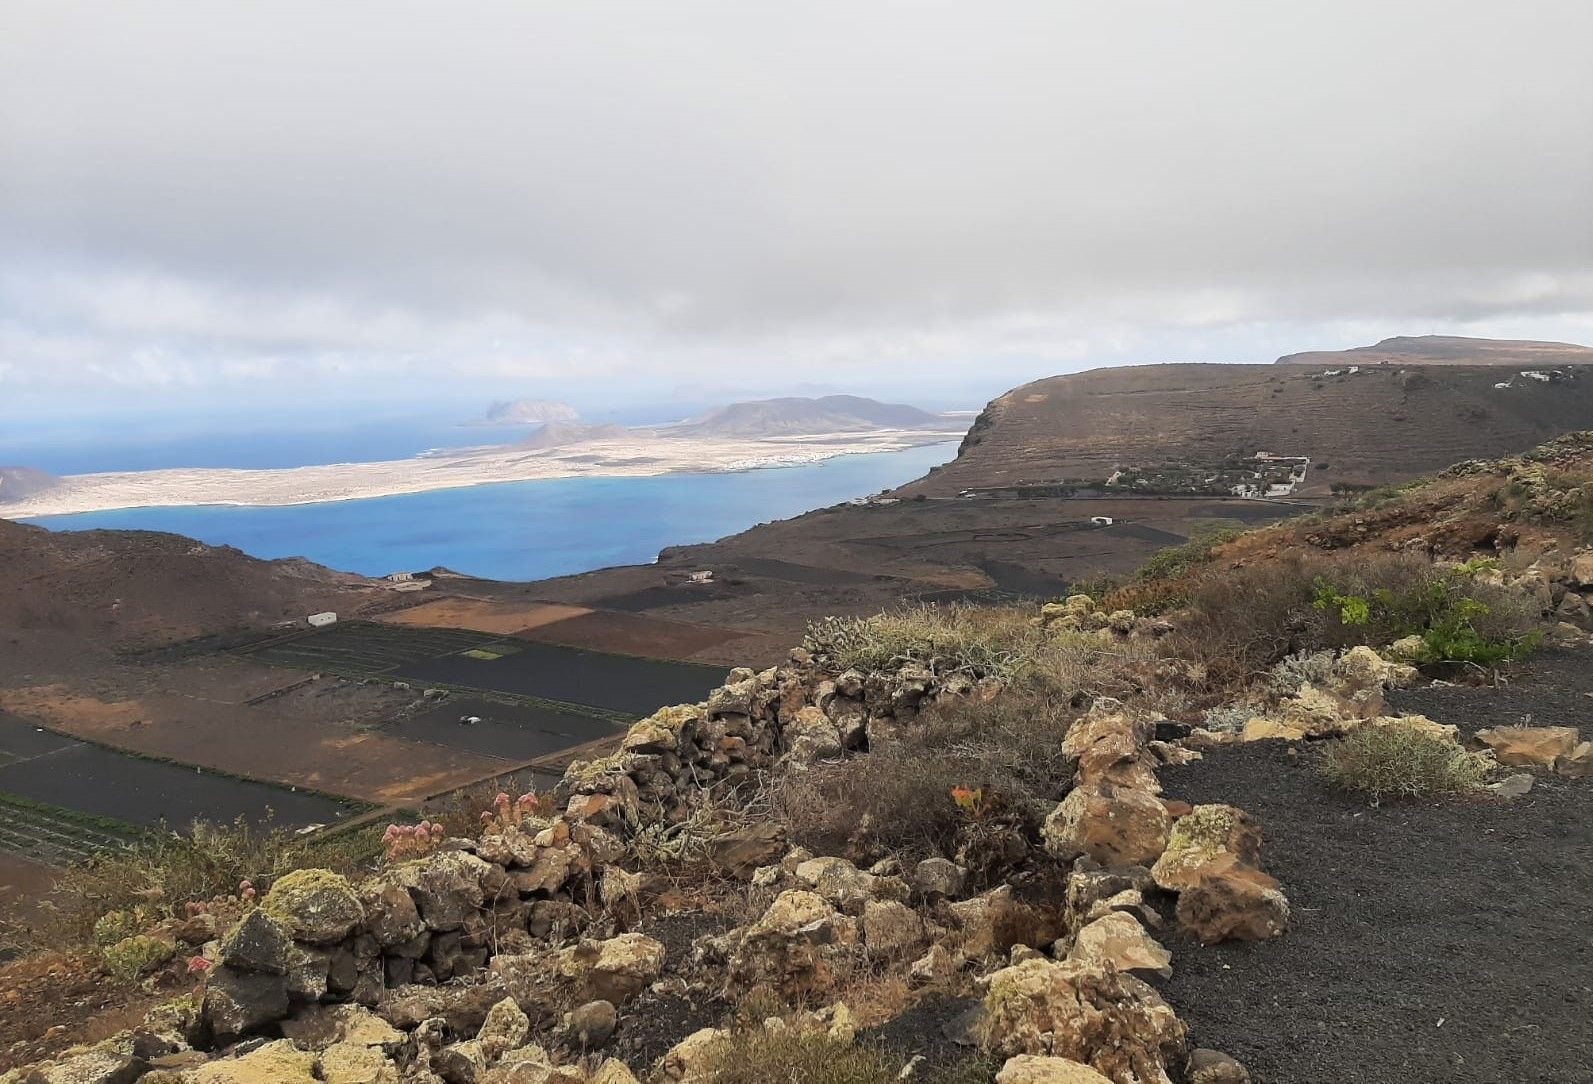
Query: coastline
{"points": [[638, 455]]}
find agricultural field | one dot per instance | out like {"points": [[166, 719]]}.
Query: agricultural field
{"points": [[54, 837], [566, 675], [551, 675], [504, 728], [62, 793]]}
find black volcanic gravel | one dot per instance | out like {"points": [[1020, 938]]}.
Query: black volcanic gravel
{"points": [[1430, 941]]}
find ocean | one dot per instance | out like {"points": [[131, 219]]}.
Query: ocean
{"points": [[527, 530]]}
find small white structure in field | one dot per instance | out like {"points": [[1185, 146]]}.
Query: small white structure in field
{"points": [[1102, 521], [705, 576], [400, 577], [321, 620]]}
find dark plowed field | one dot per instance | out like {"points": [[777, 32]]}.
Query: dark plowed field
{"points": [[515, 732], [548, 672], [631, 634], [1431, 942], [104, 783]]}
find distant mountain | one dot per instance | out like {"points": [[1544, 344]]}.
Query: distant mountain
{"points": [[826, 414], [1448, 350], [16, 482], [558, 434], [528, 412]]}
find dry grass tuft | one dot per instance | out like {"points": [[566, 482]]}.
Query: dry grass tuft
{"points": [[1401, 761]]}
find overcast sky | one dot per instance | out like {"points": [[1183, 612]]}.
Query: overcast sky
{"points": [[264, 202]]}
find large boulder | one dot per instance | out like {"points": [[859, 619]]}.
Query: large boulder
{"points": [[274, 1063], [993, 922], [1361, 668], [351, 1063], [615, 970], [1529, 746], [1115, 826], [1112, 1022], [447, 887], [88, 1067], [315, 905], [1040, 1069], [505, 1028], [1117, 940], [1110, 745], [236, 1003], [320, 1027], [1232, 901], [258, 942], [794, 943], [891, 929], [1203, 835]]}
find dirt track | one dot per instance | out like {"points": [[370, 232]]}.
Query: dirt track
{"points": [[1430, 942]]}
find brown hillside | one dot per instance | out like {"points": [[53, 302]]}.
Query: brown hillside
{"points": [[117, 589], [1375, 426], [1448, 350]]}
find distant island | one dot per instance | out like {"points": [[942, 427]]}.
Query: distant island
{"points": [[528, 412], [741, 436]]}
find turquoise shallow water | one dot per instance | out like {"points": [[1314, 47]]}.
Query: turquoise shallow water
{"points": [[527, 530]]}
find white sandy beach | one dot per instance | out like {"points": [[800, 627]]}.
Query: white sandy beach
{"points": [[639, 454]]}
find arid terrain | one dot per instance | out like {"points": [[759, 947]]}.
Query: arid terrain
{"points": [[149, 680], [1191, 828]]}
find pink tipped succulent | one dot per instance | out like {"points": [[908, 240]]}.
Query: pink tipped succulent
{"points": [[198, 965]]}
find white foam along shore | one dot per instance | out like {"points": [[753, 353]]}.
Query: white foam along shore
{"points": [[640, 453]]}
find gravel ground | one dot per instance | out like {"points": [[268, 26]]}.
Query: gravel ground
{"points": [[1430, 942]]}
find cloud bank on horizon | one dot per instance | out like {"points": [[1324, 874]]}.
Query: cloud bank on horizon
{"points": [[254, 199]]}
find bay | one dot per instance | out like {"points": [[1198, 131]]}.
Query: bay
{"points": [[527, 530]]}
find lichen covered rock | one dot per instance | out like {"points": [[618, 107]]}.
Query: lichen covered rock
{"points": [[1204, 835], [316, 905]]}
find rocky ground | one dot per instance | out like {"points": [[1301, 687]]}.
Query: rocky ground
{"points": [[1151, 882], [1429, 942]]}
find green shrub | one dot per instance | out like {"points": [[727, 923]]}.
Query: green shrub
{"points": [[1443, 607], [1398, 760], [133, 957], [1242, 622], [1175, 561]]}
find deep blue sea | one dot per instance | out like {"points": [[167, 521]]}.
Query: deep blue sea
{"points": [[527, 530]]}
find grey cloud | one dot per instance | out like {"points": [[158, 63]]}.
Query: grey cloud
{"points": [[515, 188]]}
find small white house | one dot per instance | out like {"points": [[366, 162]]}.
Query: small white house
{"points": [[400, 577], [705, 576], [321, 620], [1102, 521]]}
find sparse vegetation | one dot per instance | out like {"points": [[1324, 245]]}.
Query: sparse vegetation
{"points": [[166, 871], [899, 799], [788, 1055], [1399, 760], [1175, 561], [759, 1055], [975, 640]]}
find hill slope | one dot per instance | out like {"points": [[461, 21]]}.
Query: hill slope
{"points": [[97, 591], [1374, 426], [1448, 350]]}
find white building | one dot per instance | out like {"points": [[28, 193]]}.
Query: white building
{"points": [[321, 620]]}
